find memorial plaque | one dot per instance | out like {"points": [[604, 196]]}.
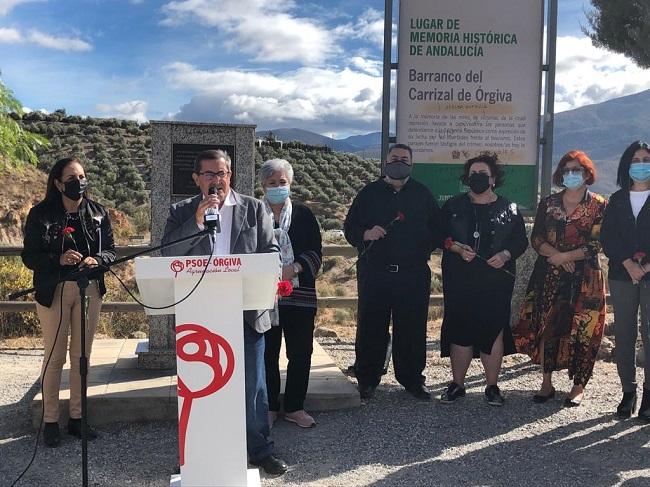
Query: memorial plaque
{"points": [[183, 156], [469, 82]]}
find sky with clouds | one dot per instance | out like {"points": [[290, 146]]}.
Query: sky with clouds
{"points": [[276, 63]]}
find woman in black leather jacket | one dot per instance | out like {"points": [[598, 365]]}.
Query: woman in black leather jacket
{"points": [[64, 232], [625, 237], [485, 235]]}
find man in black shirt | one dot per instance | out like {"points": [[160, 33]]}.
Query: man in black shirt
{"points": [[394, 223]]}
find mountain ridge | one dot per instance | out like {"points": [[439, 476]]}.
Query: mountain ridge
{"points": [[602, 130]]}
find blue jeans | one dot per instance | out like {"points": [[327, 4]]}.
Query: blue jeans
{"points": [[257, 405]]}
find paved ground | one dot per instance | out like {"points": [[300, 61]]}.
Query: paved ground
{"points": [[392, 441], [119, 391]]}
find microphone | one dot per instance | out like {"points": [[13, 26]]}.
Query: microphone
{"points": [[211, 219]]}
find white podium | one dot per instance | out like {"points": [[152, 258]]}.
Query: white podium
{"points": [[210, 355]]}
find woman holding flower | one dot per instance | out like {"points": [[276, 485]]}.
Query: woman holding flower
{"points": [[562, 317], [625, 237], [486, 234], [299, 238], [65, 232]]}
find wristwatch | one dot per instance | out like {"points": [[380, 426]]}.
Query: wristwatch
{"points": [[296, 268]]}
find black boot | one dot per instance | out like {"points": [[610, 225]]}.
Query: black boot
{"points": [[51, 435], [74, 429], [644, 410], [627, 405]]}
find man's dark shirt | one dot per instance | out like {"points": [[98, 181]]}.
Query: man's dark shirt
{"points": [[408, 242]]}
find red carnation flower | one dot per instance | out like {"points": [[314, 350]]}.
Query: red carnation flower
{"points": [[448, 243], [67, 231], [639, 255], [400, 216], [285, 288]]}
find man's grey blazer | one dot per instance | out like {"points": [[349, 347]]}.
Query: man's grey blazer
{"points": [[251, 233]]}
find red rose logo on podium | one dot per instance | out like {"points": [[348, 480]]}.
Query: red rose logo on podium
{"points": [[208, 349], [177, 266]]}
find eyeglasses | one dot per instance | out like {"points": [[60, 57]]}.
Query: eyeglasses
{"points": [[209, 175], [637, 159]]}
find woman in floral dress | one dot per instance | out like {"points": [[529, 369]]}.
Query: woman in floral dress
{"points": [[562, 317]]}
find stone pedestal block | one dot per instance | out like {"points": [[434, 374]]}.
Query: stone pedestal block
{"points": [[159, 352]]}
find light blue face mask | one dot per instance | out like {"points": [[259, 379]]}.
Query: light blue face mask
{"points": [[573, 179], [277, 195], [640, 171]]}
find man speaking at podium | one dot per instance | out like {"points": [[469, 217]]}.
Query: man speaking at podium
{"points": [[245, 228]]}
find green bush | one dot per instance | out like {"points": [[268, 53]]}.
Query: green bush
{"points": [[342, 315], [121, 325], [14, 277], [331, 262], [332, 224]]}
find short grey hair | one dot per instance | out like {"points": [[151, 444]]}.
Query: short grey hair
{"points": [[274, 165]]}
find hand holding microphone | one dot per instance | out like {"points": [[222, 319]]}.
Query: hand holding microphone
{"points": [[211, 217], [208, 210]]}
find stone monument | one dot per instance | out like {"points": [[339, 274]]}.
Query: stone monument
{"points": [[174, 146]]}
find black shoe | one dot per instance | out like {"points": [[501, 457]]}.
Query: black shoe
{"points": [[627, 405], [271, 465], [540, 399], [74, 429], [493, 396], [420, 392], [51, 435], [453, 392], [366, 392], [644, 409], [571, 403]]}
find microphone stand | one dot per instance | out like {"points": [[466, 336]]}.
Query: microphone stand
{"points": [[82, 277]]}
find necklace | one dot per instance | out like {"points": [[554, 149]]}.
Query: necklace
{"points": [[477, 231]]}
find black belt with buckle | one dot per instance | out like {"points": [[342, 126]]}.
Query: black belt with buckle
{"points": [[396, 268]]}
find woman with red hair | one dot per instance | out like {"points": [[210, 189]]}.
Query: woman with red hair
{"points": [[562, 317]]}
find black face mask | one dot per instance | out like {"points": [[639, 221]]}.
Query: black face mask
{"points": [[398, 170], [479, 182], [75, 188]]}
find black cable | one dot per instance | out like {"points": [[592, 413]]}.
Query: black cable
{"points": [[38, 431], [207, 264]]}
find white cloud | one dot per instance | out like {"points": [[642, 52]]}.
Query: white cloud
{"points": [[347, 99], [369, 66], [41, 110], [9, 36], [586, 74], [265, 29], [7, 5], [14, 36], [58, 43], [313, 98], [130, 110], [369, 26]]}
